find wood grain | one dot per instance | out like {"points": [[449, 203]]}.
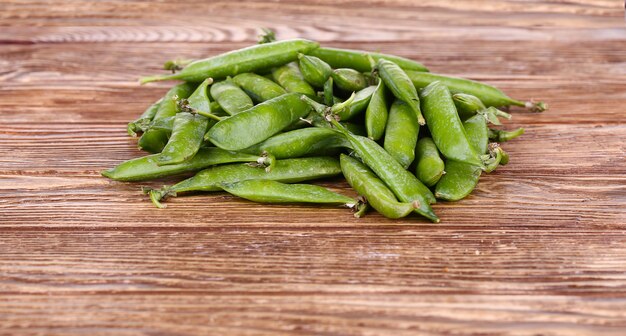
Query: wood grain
{"points": [[537, 249]]}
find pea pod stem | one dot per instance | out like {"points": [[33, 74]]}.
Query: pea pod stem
{"points": [[503, 136], [183, 105]]}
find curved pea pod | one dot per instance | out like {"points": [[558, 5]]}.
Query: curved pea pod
{"points": [[258, 87], [300, 142], [359, 59], [377, 113], [445, 125], [146, 168], [401, 133], [231, 98], [489, 95], [288, 171], [199, 100], [329, 98], [461, 178], [477, 133], [187, 136], [503, 136], [289, 77], [314, 70], [367, 184], [467, 106], [251, 59], [430, 166], [153, 141], [139, 124], [400, 85], [268, 191], [258, 123], [404, 185], [358, 105], [349, 79], [458, 182]]}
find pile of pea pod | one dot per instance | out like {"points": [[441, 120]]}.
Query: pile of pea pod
{"points": [[257, 121]]}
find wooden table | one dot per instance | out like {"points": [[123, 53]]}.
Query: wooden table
{"points": [[539, 248]]}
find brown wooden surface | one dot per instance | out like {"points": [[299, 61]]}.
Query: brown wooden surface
{"points": [[538, 249]]}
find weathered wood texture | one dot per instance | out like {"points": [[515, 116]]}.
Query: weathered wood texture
{"points": [[539, 248]]}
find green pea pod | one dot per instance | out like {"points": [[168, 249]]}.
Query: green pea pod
{"points": [[187, 136], [258, 123], [377, 113], [329, 98], [258, 87], [288, 171], [268, 191], [461, 178], [445, 125], [231, 98], [458, 182], [145, 118], [504, 136], [146, 168], [400, 85], [314, 70], [467, 106], [489, 95], [349, 79], [430, 166], [154, 141], [169, 105], [401, 133], [199, 100], [251, 59], [289, 77], [403, 184], [300, 142], [359, 59], [359, 104], [477, 127], [367, 184]]}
